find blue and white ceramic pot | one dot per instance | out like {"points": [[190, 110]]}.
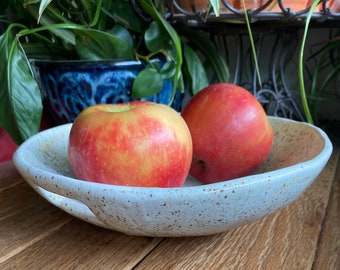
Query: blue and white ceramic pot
{"points": [[68, 87]]}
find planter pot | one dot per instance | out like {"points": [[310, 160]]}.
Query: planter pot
{"points": [[68, 87], [333, 5], [293, 5], [250, 4], [193, 5], [198, 5]]}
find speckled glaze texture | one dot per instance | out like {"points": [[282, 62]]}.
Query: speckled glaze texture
{"points": [[299, 153], [68, 87]]}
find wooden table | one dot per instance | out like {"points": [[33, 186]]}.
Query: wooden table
{"points": [[305, 235]]}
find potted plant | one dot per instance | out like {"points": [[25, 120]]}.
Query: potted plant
{"points": [[107, 29]]}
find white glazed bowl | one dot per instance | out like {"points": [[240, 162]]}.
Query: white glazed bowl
{"points": [[299, 153]]}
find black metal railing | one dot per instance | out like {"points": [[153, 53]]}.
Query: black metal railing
{"points": [[277, 31], [270, 10]]}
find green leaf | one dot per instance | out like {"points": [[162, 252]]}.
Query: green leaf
{"points": [[168, 70], [148, 82], [251, 39], [51, 17], [149, 8], [301, 56], [126, 16], [122, 33], [216, 6], [157, 38], [200, 41], [96, 45], [198, 78], [20, 98], [43, 5]]}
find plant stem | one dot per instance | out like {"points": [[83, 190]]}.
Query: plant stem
{"points": [[301, 77], [252, 43]]}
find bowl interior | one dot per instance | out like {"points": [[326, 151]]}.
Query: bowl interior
{"points": [[294, 143]]}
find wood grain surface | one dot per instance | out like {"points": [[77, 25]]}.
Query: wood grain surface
{"points": [[328, 251]]}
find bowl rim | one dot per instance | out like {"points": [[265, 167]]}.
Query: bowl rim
{"points": [[322, 156]]}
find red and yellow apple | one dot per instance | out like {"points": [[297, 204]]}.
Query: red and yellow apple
{"points": [[132, 144], [230, 131]]}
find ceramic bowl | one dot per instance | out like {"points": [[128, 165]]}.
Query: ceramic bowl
{"points": [[299, 153], [68, 87]]}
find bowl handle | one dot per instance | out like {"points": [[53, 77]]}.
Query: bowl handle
{"points": [[71, 206]]}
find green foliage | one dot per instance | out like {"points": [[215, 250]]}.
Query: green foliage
{"points": [[165, 27], [216, 6], [324, 74], [252, 42], [20, 105], [145, 84], [93, 30], [301, 64], [195, 70], [96, 45], [199, 41]]}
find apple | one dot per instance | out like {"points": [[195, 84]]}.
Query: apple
{"points": [[230, 131], [133, 144], [7, 146]]}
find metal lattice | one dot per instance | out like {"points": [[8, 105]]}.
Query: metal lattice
{"points": [[275, 51], [268, 10], [276, 32]]}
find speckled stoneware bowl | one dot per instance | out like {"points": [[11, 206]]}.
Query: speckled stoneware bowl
{"points": [[299, 153], [68, 87]]}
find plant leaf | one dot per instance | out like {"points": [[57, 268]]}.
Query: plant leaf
{"points": [[147, 83], [95, 45], [126, 16], [43, 5], [252, 44], [156, 37], [200, 41], [20, 98], [216, 6], [301, 56], [122, 33], [149, 8], [198, 78], [168, 70], [51, 17]]}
